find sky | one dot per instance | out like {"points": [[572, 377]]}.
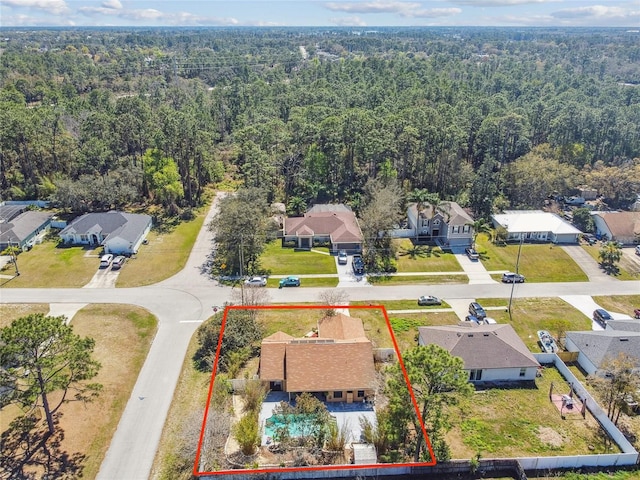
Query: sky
{"points": [[355, 13]]}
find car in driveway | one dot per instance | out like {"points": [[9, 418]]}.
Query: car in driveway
{"points": [[257, 281], [105, 260], [425, 300], [357, 264], [477, 310], [637, 250], [601, 316], [472, 253], [636, 313], [118, 262], [510, 277], [342, 257], [290, 281], [474, 319]]}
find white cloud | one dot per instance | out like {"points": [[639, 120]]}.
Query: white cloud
{"points": [[404, 9], [112, 4], [501, 3], [29, 21], [348, 22], [597, 12], [153, 16], [56, 7]]}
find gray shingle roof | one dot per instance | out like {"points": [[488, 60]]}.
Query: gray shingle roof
{"points": [[128, 226], [455, 214], [481, 346], [598, 345], [20, 227]]}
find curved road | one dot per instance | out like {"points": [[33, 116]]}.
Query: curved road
{"points": [[186, 299]]}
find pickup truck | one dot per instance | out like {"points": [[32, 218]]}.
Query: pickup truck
{"points": [[357, 264]]}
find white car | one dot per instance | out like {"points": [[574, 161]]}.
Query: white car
{"points": [[256, 282], [106, 260], [637, 249]]}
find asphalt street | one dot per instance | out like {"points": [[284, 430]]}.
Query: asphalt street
{"points": [[185, 300]]}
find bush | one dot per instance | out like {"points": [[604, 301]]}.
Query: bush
{"points": [[247, 433]]}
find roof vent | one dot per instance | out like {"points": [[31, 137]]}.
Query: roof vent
{"points": [[470, 334], [624, 339], [486, 334]]}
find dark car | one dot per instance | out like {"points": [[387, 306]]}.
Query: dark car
{"points": [[636, 313], [429, 300], [476, 310], [473, 318], [357, 264], [601, 316], [472, 254], [342, 257], [510, 277], [290, 281]]}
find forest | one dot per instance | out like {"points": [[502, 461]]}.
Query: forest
{"points": [[100, 118]]}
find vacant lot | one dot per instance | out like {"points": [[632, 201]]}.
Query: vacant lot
{"points": [[538, 263], [619, 303], [287, 261], [628, 270], [511, 422], [423, 258], [123, 336]]}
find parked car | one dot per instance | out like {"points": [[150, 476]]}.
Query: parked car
{"points": [[476, 310], [636, 313], [490, 321], [106, 260], [429, 300], [342, 257], [290, 281], [118, 262], [510, 277], [637, 249], [357, 264], [601, 316], [471, 253], [473, 318], [256, 281]]}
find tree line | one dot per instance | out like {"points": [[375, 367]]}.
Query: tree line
{"points": [[490, 118]]}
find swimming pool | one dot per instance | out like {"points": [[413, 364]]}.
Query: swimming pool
{"points": [[296, 425]]}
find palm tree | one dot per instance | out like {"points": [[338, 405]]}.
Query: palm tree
{"points": [[422, 197], [479, 226], [610, 254]]}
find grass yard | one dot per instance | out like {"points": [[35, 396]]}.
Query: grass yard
{"points": [[10, 312], [533, 314], [50, 265], [402, 305], [123, 336], [287, 261], [619, 303], [627, 269], [538, 263], [165, 254], [417, 279], [511, 422], [423, 258], [308, 282]]}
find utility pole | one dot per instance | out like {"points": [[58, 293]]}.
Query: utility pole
{"points": [[513, 283], [15, 256], [241, 269]]}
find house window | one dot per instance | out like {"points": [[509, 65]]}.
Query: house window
{"points": [[337, 394], [84, 238], [466, 229], [455, 229], [523, 372], [360, 393], [436, 222], [425, 222], [475, 375]]}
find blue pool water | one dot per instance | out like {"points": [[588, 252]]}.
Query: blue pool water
{"points": [[296, 426]]}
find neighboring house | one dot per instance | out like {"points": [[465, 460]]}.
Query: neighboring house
{"points": [[536, 226], [336, 364], [491, 353], [20, 227], [450, 227], [118, 232], [621, 227], [336, 225], [596, 346]]}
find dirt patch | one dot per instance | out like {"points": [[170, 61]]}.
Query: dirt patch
{"points": [[550, 437]]}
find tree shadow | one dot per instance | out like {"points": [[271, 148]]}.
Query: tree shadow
{"points": [[610, 269], [28, 451], [419, 251]]}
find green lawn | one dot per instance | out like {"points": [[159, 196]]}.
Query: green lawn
{"points": [[538, 263], [627, 269], [511, 422], [619, 303], [423, 258], [286, 261], [402, 305], [417, 279], [307, 282], [50, 265]]}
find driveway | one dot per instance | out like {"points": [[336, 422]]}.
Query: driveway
{"points": [[588, 265], [473, 268], [346, 277]]}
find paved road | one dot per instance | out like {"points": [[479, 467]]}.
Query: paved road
{"points": [[185, 300]]}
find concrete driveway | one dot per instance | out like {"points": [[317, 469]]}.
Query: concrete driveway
{"points": [[346, 277], [588, 265], [473, 268]]}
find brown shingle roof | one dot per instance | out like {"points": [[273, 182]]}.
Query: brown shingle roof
{"points": [[484, 346], [272, 356], [455, 214], [341, 226], [320, 367], [622, 224], [341, 327]]}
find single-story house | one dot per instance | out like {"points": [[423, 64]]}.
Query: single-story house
{"points": [[621, 227], [333, 224], [337, 363], [491, 353], [596, 346], [536, 226], [118, 232], [20, 227], [449, 225]]}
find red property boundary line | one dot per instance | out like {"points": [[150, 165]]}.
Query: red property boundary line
{"points": [[196, 471]]}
